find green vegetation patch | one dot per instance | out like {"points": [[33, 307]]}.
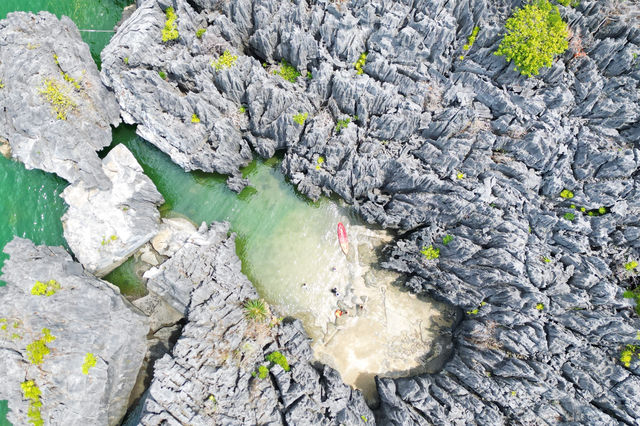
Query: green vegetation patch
{"points": [[194, 118], [38, 349], [470, 40], [256, 310], [200, 32], [342, 124], [89, 362], [288, 72], [626, 357], [42, 289], [279, 359], [170, 30], [430, 252], [569, 216], [32, 393], [57, 96], [535, 34], [630, 266], [225, 61], [566, 193], [633, 294], [300, 118], [360, 63], [262, 372], [447, 239]]}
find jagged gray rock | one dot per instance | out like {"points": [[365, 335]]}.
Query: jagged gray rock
{"points": [[442, 146], [104, 227], [85, 315], [208, 377], [38, 50]]}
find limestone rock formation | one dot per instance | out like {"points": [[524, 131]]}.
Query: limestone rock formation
{"points": [[213, 376], [55, 112], [534, 180], [103, 227], [83, 315]]}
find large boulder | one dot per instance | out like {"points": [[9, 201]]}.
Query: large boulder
{"points": [[55, 113], [103, 227], [212, 375], [48, 294]]}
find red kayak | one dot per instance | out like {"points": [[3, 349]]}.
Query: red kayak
{"points": [[342, 238]]}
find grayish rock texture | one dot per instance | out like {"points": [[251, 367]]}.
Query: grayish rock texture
{"points": [[104, 227], [440, 146], [40, 51], [85, 315], [208, 378]]}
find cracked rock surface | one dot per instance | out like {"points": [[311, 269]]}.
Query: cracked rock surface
{"points": [[85, 315], [208, 377], [434, 145], [40, 51], [104, 227]]}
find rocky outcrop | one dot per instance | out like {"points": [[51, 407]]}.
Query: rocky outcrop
{"points": [[104, 227], [54, 111], [438, 145], [48, 294], [212, 375]]}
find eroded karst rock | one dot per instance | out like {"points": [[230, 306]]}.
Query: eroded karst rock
{"points": [[53, 316], [104, 227], [55, 113]]}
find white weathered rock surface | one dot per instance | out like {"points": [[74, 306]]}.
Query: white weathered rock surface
{"points": [[104, 227], [172, 235], [86, 315], [35, 48]]}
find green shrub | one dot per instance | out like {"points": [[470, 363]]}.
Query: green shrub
{"points": [[566, 193], [279, 359], [200, 32], [470, 40], [225, 61], [89, 362], [447, 239], [37, 349], [255, 310], [162, 74], [630, 266], [300, 118], [430, 252], [242, 109], [360, 63], [194, 118], [288, 72], [569, 216], [170, 30], [633, 294], [627, 354], [540, 306], [342, 124], [32, 393], [60, 101], [263, 372], [42, 289], [535, 34]]}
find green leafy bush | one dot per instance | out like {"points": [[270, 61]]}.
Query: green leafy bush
{"points": [[342, 124], [200, 32], [89, 362], [566, 193], [360, 63], [430, 252], [279, 359], [162, 74], [170, 30], [569, 216], [627, 354], [226, 60], [633, 294], [31, 392], [447, 239], [255, 310], [630, 266], [470, 40], [288, 72], [300, 118], [195, 118], [535, 34], [37, 349], [42, 289]]}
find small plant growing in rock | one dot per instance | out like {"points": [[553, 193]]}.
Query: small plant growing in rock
{"points": [[200, 32], [105, 241], [565, 193], [256, 310], [535, 34], [279, 359], [37, 349], [460, 176], [170, 30], [628, 353], [89, 362], [242, 109], [225, 61], [569, 216], [342, 124], [364, 418], [42, 289], [162, 74], [126, 60], [545, 259], [633, 294], [1, 85], [32, 393], [630, 266], [300, 118], [194, 118], [262, 372], [288, 72], [447, 239], [540, 306], [360, 63], [470, 40], [430, 252], [309, 75], [319, 162], [60, 101]]}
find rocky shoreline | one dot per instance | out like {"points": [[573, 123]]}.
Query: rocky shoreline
{"points": [[515, 199]]}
